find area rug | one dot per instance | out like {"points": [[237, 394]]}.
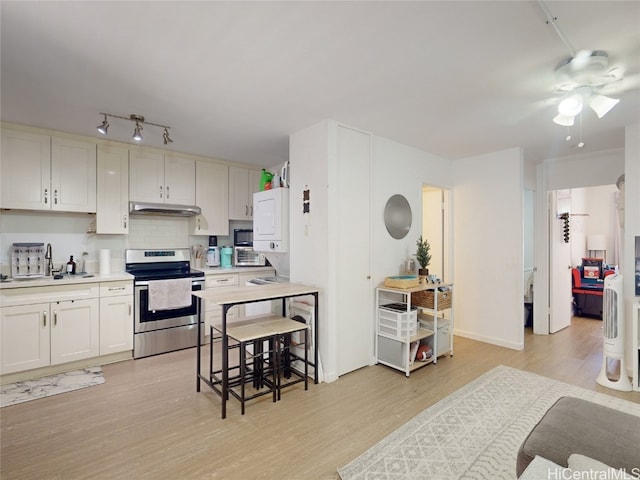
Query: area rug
{"points": [[27, 390], [473, 433]]}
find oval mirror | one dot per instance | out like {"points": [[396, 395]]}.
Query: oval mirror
{"points": [[397, 216]]}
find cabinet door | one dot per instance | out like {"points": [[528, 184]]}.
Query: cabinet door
{"points": [[25, 171], [238, 193], [74, 330], [253, 187], [24, 337], [180, 180], [112, 199], [212, 196], [73, 175], [146, 177], [116, 324]]}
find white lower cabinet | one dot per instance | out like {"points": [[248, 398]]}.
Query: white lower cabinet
{"points": [[43, 334], [24, 337], [47, 326], [74, 330], [116, 317], [212, 312]]}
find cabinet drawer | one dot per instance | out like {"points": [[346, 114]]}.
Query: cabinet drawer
{"points": [[222, 280], [112, 289], [29, 295]]}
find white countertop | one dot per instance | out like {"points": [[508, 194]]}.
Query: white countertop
{"points": [[221, 271], [65, 280]]}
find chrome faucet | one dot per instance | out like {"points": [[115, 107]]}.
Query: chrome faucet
{"points": [[48, 257]]}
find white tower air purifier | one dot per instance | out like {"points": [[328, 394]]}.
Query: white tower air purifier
{"points": [[613, 325]]}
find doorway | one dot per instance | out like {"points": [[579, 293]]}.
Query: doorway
{"points": [[436, 224]]}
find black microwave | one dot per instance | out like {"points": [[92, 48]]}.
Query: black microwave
{"points": [[243, 237]]}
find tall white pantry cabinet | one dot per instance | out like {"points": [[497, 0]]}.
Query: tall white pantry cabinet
{"points": [[330, 238]]}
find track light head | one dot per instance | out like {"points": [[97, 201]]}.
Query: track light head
{"points": [[137, 133], [104, 126], [165, 136]]}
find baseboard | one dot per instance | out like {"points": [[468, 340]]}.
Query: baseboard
{"points": [[65, 367], [491, 340]]}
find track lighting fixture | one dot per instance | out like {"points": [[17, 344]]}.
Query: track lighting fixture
{"points": [[166, 138], [137, 131]]}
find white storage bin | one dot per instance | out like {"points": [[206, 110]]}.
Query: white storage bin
{"points": [[443, 333], [396, 322]]}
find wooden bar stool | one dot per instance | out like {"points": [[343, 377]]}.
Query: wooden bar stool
{"points": [[258, 366], [285, 328]]}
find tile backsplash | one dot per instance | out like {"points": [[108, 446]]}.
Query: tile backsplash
{"points": [[67, 234]]}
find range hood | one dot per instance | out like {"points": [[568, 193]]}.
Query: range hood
{"points": [[142, 208]]}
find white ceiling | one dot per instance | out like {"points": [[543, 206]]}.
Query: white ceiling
{"points": [[234, 79]]}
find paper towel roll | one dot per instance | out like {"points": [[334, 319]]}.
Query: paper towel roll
{"points": [[105, 261]]}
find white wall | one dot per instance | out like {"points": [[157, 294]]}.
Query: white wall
{"points": [[599, 168], [396, 169], [488, 229]]}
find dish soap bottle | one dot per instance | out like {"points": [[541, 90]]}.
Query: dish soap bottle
{"points": [[71, 266]]}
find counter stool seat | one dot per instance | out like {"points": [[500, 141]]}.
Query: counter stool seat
{"points": [[249, 332]]}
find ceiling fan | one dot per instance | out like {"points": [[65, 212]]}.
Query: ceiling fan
{"points": [[583, 79]]}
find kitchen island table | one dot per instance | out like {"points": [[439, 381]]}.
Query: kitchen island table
{"points": [[240, 296]]}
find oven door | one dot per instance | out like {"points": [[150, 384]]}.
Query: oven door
{"points": [[146, 320]]}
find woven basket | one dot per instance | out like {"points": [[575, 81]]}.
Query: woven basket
{"points": [[425, 299], [402, 281]]}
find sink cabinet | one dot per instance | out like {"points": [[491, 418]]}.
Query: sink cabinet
{"points": [[47, 326], [40, 172], [42, 326]]}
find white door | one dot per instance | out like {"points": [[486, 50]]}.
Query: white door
{"points": [[560, 264], [353, 283]]}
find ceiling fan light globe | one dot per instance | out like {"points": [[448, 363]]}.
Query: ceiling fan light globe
{"points": [[564, 120], [570, 106], [602, 105]]}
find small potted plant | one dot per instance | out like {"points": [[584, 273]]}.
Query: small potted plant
{"points": [[423, 257]]}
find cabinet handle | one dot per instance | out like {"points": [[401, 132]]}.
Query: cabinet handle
{"points": [[46, 196], [113, 289], [55, 196], [222, 280], [246, 210], [251, 210], [167, 190], [129, 309], [55, 318], [160, 191], [198, 221], [44, 319], [124, 221]]}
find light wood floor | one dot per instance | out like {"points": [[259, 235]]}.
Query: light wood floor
{"points": [[148, 422]]}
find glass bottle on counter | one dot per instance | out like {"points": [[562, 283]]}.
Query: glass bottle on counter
{"points": [[71, 265]]}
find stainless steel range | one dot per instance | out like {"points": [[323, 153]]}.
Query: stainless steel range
{"points": [[161, 330]]}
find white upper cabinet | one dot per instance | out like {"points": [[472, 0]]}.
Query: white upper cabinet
{"points": [[39, 172], [212, 196], [112, 202], [243, 183], [159, 178]]}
